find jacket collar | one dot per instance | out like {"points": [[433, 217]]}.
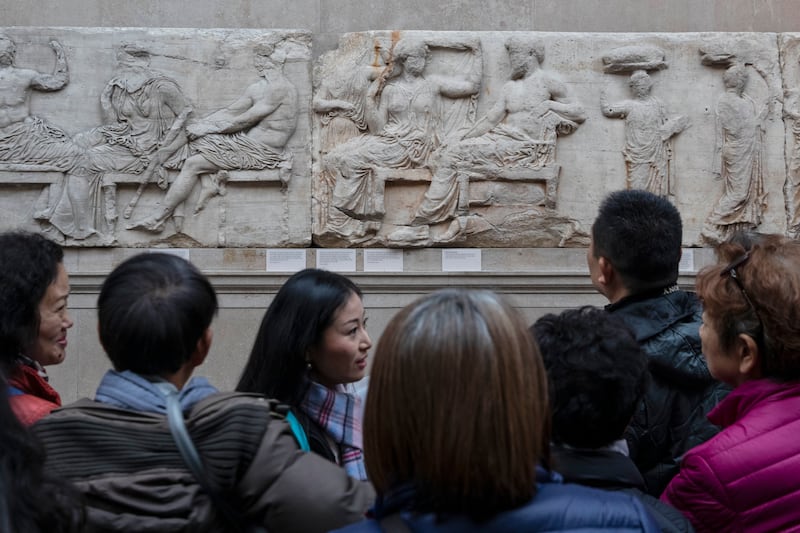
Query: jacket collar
{"points": [[641, 296], [406, 497], [597, 468], [748, 396], [30, 381], [649, 313]]}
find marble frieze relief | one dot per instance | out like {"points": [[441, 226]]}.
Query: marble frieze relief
{"points": [[138, 137], [511, 139], [134, 137]]}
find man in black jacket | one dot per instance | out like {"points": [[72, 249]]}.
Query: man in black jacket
{"points": [[633, 261]]}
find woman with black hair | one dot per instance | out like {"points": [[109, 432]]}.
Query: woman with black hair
{"points": [[313, 343], [34, 320]]}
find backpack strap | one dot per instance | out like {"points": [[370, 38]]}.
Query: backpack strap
{"points": [[299, 432], [192, 460], [284, 411]]}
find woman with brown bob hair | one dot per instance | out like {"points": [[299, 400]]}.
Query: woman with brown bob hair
{"points": [[456, 427], [747, 478]]}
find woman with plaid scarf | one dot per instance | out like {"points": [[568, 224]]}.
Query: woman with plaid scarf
{"points": [[311, 346]]}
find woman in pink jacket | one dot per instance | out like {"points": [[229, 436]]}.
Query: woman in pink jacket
{"points": [[747, 478]]}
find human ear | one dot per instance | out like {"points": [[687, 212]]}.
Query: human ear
{"points": [[749, 357], [202, 348], [605, 274]]}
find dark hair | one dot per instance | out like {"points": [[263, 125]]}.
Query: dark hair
{"points": [[152, 310], [771, 278], [597, 374], [640, 234], [293, 324], [28, 266], [457, 405], [31, 498]]}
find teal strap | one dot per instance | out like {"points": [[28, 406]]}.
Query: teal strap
{"points": [[299, 432]]}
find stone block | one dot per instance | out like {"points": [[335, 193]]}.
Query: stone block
{"points": [[409, 126], [109, 118]]}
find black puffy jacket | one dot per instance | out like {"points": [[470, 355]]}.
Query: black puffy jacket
{"points": [[671, 419]]}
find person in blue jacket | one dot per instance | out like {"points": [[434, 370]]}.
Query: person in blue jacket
{"points": [[456, 428]]}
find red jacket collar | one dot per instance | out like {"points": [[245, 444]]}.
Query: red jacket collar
{"points": [[28, 380]]}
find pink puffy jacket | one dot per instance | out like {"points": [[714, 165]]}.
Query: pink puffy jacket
{"points": [[747, 477]]}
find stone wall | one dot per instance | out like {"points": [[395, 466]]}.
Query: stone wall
{"points": [[328, 19], [541, 279]]}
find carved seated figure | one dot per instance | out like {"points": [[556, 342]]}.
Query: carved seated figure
{"points": [[251, 133], [117, 151], [34, 150], [518, 133], [403, 111], [24, 138]]}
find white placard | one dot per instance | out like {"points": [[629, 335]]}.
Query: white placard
{"points": [[286, 259], [183, 253], [383, 260], [461, 260], [687, 260], [336, 260]]}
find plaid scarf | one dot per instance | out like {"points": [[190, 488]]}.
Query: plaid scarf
{"points": [[339, 413]]}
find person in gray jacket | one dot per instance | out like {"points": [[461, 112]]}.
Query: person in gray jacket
{"points": [[154, 317], [633, 261]]}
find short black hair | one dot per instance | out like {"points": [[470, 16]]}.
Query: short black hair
{"points": [[152, 310], [293, 324], [28, 266], [597, 375], [640, 234]]}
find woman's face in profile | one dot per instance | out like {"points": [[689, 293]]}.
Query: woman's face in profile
{"points": [[54, 321], [722, 365], [342, 353]]}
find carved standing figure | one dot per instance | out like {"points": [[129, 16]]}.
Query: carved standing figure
{"points": [[340, 100], [24, 138], [340, 104], [404, 114], [249, 134], [738, 159], [520, 130], [648, 136], [791, 111], [144, 109]]}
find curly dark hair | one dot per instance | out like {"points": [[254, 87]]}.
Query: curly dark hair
{"points": [[597, 374]]}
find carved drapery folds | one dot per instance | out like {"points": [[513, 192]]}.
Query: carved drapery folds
{"points": [[190, 137], [649, 128], [216, 138], [460, 174]]}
